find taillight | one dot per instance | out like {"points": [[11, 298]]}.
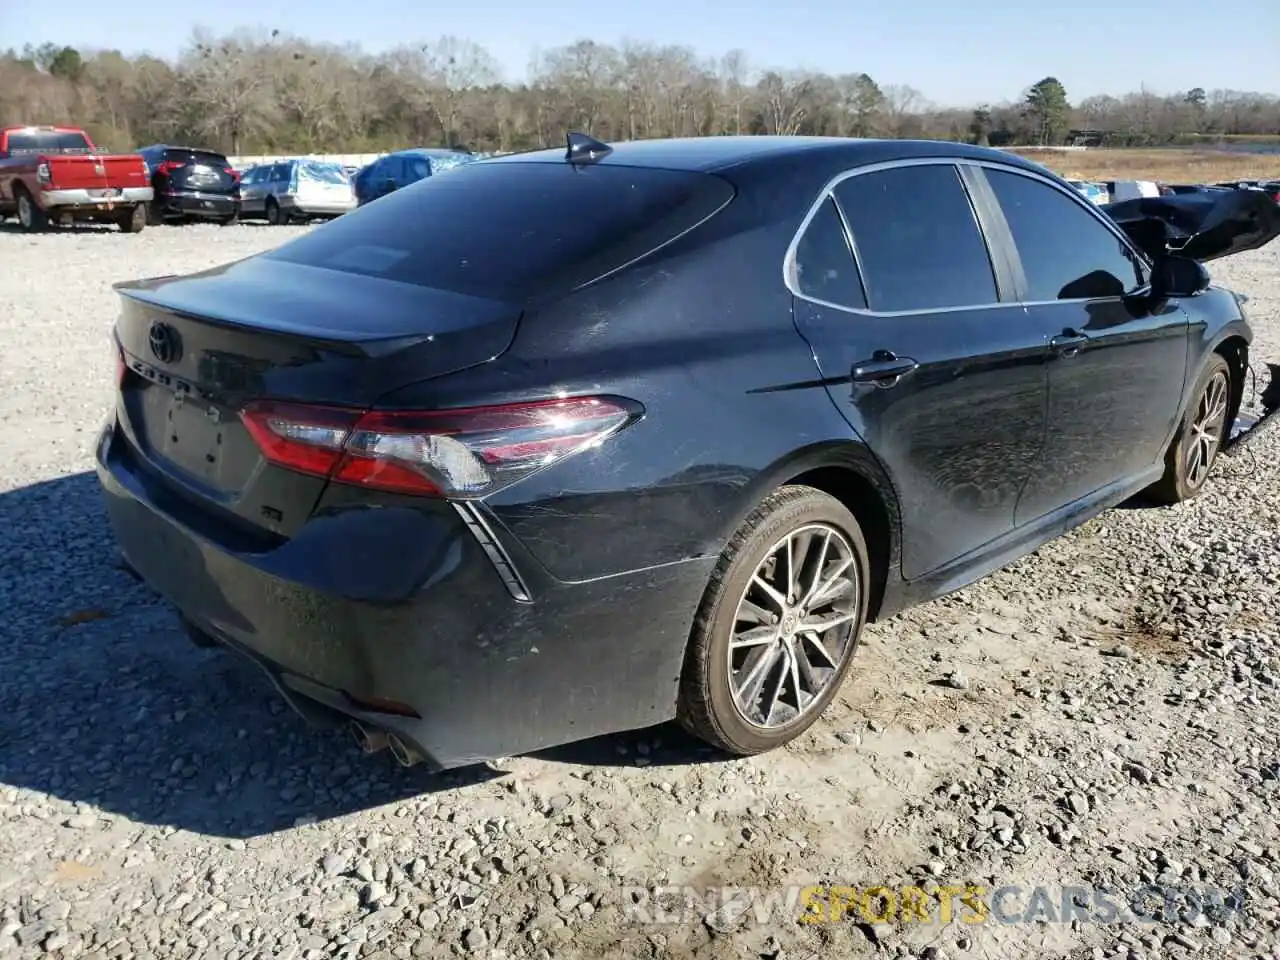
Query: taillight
{"points": [[461, 453], [231, 172], [169, 166]]}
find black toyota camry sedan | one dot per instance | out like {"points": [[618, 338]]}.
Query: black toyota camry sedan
{"points": [[583, 440]]}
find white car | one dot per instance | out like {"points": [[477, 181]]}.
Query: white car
{"points": [[296, 190]]}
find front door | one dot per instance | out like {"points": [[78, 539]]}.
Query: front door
{"points": [[925, 352], [1119, 360]]}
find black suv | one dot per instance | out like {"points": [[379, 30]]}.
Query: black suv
{"points": [[190, 183]]}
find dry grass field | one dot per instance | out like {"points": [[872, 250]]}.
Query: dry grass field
{"points": [[1168, 165]]}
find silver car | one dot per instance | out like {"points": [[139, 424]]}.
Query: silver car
{"points": [[295, 190]]}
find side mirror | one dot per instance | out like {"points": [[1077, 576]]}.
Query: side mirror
{"points": [[1176, 276]]}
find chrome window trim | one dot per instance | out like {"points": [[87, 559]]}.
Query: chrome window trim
{"points": [[1092, 210], [789, 258]]}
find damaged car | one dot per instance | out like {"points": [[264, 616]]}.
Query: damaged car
{"points": [[584, 440]]}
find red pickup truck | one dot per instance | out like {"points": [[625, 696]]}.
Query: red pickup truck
{"points": [[55, 174]]}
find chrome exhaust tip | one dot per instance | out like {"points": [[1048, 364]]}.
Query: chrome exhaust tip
{"points": [[405, 755], [370, 741]]}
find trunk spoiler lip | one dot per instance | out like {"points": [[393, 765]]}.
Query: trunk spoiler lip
{"points": [[149, 291], [351, 348], [1199, 226]]}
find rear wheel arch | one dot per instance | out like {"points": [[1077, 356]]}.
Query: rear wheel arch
{"points": [[866, 500], [850, 473]]}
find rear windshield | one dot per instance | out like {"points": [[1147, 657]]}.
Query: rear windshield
{"points": [[450, 162], [48, 141], [511, 230], [204, 157], [323, 173]]}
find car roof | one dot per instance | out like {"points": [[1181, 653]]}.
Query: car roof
{"points": [[178, 146], [428, 152], [710, 154], [39, 128]]}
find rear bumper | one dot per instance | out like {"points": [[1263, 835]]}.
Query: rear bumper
{"points": [[94, 199], [408, 605], [213, 205], [309, 207]]}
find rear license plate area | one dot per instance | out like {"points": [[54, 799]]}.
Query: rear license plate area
{"points": [[105, 193], [190, 434]]}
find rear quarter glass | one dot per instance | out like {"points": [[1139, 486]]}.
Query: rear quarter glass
{"points": [[513, 231]]}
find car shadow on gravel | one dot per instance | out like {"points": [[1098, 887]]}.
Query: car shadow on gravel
{"points": [[107, 704]]}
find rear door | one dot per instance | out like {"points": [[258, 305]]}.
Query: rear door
{"points": [[915, 329], [251, 191], [390, 177], [419, 168], [1118, 361], [275, 181]]}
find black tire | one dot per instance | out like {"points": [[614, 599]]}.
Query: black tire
{"points": [[707, 706], [274, 216], [133, 220], [154, 217], [229, 221], [30, 217], [1184, 473]]}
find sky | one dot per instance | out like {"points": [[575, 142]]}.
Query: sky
{"points": [[956, 52]]}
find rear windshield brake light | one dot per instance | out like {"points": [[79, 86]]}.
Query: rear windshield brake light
{"points": [[461, 453]]}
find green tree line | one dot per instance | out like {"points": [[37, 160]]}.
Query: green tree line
{"points": [[268, 92]]}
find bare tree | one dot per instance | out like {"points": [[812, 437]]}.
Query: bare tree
{"points": [[785, 101], [901, 103], [228, 89], [453, 67], [736, 78]]}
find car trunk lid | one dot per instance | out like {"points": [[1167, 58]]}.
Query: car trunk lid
{"points": [[199, 348]]}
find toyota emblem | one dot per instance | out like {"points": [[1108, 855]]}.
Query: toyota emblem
{"points": [[164, 342]]}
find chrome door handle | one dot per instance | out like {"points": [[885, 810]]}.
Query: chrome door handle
{"points": [[1068, 343], [884, 369]]}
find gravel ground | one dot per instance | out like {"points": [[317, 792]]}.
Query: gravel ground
{"points": [[1101, 713]]}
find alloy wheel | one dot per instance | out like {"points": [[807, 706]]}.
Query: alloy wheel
{"points": [[794, 626], [1204, 433]]}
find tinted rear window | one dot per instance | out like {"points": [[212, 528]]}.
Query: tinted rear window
{"points": [[917, 239], [329, 173], [511, 231], [48, 142], [204, 157]]}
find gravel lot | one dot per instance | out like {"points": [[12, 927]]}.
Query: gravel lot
{"points": [[1103, 712]]}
